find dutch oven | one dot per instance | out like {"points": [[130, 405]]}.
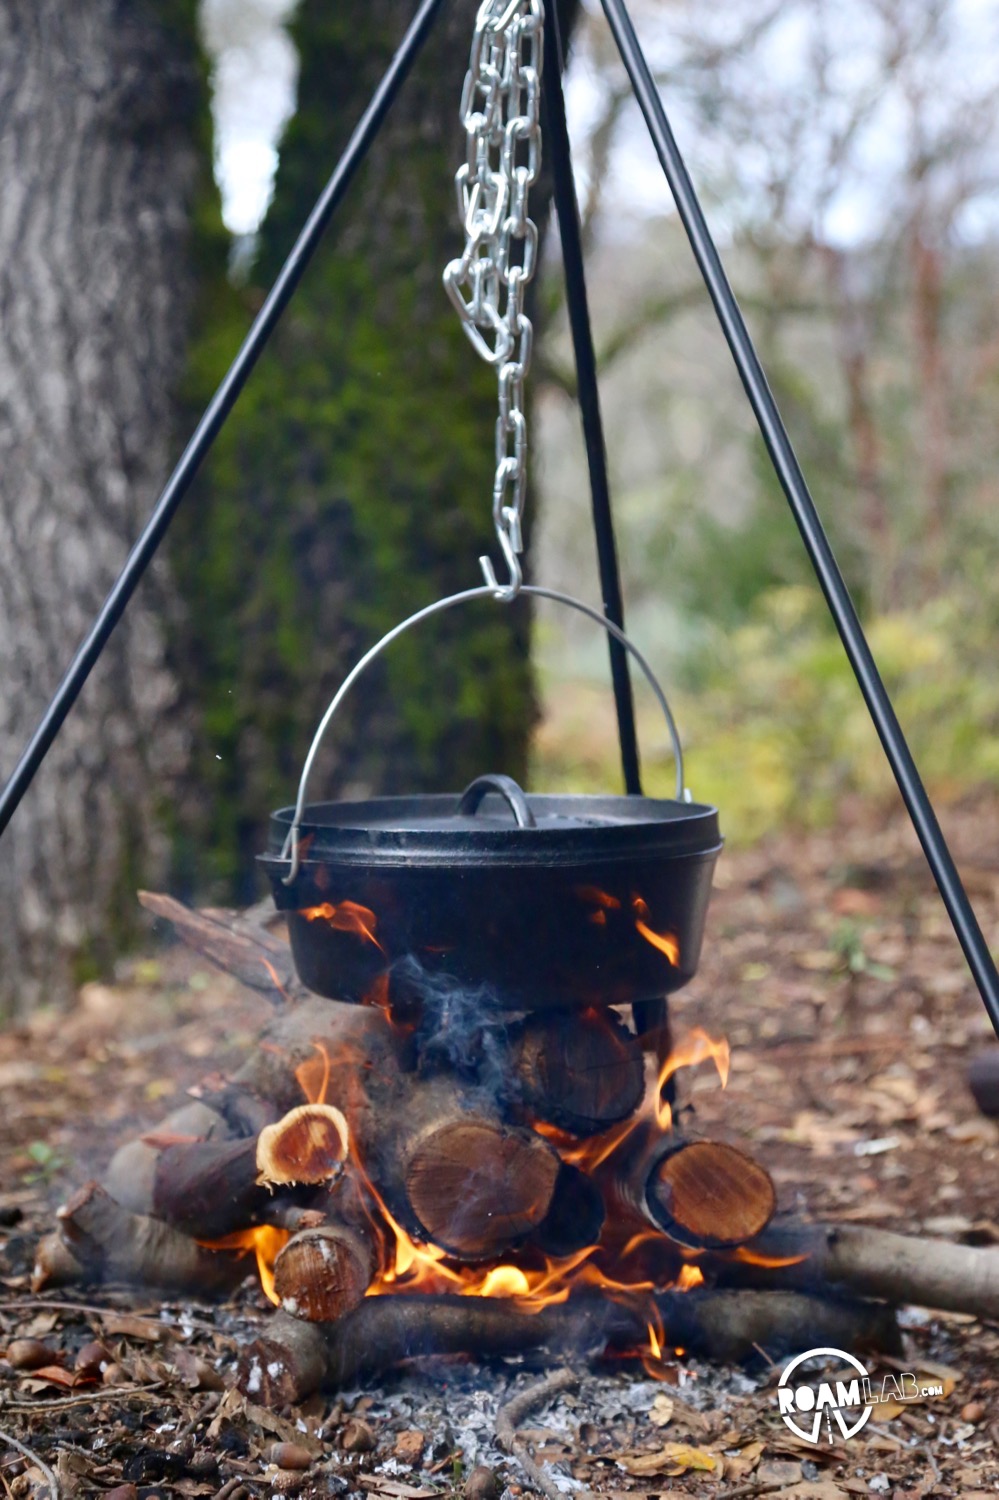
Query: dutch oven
{"points": [[537, 900]]}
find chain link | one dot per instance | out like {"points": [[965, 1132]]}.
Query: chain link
{"points": [[501, 114]]}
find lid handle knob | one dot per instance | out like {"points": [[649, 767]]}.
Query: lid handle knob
{"points": [[507, 788]]}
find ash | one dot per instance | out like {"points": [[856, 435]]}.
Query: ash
{"points": [[456, 1406]]}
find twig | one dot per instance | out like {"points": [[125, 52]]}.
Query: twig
{"points": [[512, 1412], [60, 1403], [32, 1457], [751, 1489]]}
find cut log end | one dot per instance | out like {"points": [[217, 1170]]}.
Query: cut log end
{"points": [[579, 1072], [710, 1195], [309, 1144], [322, 1273], [477, 1187]]}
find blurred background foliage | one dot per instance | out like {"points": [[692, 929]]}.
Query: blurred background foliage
{"points": [[846, 157]]}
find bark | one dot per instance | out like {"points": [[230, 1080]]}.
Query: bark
{"points": [[210, 1189], [872, 1263], [101, 104], [292, 1358], [112, 1244], [238, 943]]}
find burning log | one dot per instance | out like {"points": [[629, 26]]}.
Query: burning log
{"points": [[113, 1244], [357, 1042], [581, 1072], [210, 1189], [871, 1263], [473, 1184], [703, 1194], [292, 1358]]}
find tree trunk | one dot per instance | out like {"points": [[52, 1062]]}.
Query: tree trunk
{"points": [[100, 106], [354, 483]]}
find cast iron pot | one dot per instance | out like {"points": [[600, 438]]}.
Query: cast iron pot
{"points": [[540, 901]]}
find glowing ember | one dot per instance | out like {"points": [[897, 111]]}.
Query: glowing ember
{"points": [[346, 916]]}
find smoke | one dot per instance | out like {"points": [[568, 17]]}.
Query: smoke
{"points": [[462, 1030]]}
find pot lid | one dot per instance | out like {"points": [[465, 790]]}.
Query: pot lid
{"points": [[495, 822]]}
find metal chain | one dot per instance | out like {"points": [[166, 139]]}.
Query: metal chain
{"points": [[501, 113]]}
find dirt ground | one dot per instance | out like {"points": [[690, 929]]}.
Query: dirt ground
{"points": [[830, 966]]}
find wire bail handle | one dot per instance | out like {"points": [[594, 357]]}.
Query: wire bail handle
{"points": [[501, 115], [291, 847]]}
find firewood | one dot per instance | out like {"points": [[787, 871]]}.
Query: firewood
{"points": [[706, 1193], [235, 943], [291, 1359], [575, 1216], [322, 1273], [357, 1041], [582, 1072], [132, 1170], [113, 1244], [55, 1265], [703, 1194], [210, 1189], [456, 1172], [871, 1263]]}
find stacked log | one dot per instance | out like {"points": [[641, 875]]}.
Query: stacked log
{"points": [[343, 1133]]}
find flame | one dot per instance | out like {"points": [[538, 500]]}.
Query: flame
{"points": [[346, 916], [266, 1241], [696, 1047], [667, 942], [276, 980], [313, 1075], [751, 1257], [597, 897]]}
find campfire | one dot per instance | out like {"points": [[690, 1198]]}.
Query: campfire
{"points": [[444, 1176]]}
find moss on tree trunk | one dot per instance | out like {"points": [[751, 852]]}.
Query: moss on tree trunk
{"points": [[353, 483]]}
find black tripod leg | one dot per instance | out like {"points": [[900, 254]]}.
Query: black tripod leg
{"points": [[567, 208], [782, 456]]}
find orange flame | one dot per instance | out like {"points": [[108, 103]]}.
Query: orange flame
{"points": [[346, 916], [266, 1241], [751, 1257]]}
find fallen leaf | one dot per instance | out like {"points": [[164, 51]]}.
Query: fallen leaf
{"points": [[378, 1484], [744, 1462], [126, 1326], [673, 1458]]}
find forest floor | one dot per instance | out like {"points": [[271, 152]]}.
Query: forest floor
{"points": [[830, 966]]}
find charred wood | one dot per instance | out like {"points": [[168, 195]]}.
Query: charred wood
{"points": [[580, 1072], [456, 1171], [292, 1358], [575, 1216], [703, 1194]]}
